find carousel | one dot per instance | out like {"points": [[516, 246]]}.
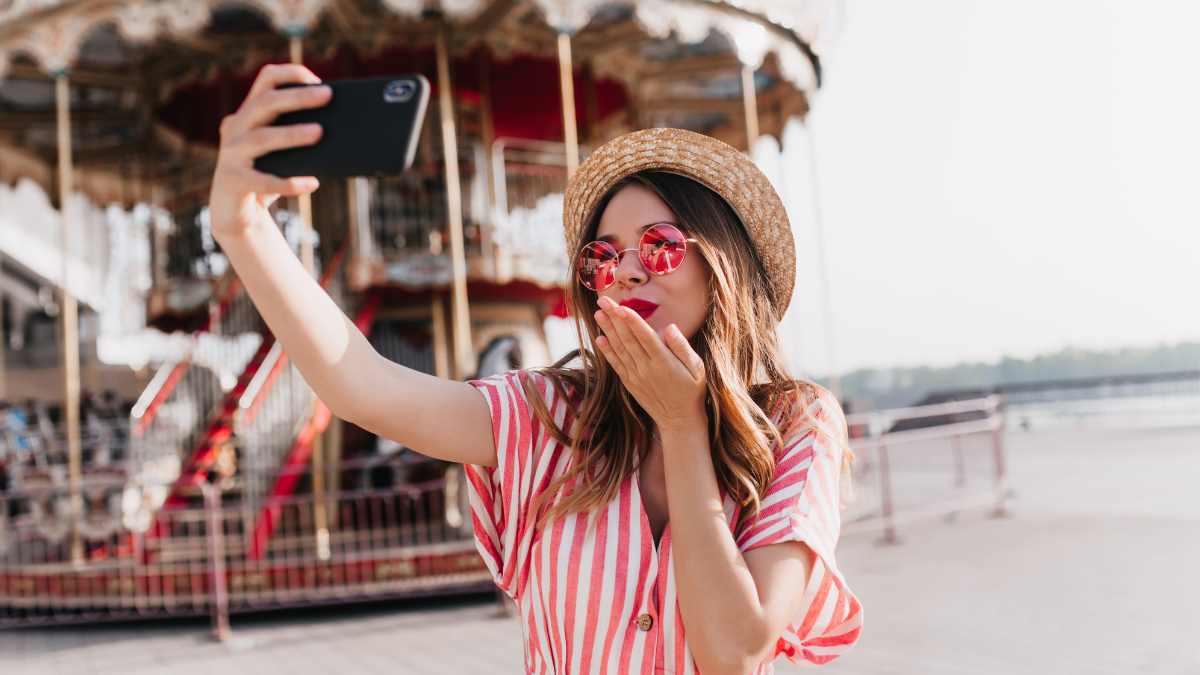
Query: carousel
{"points": [[226, 485]]}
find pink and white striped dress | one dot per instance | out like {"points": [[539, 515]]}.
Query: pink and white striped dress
{"points": [[599, 597]]}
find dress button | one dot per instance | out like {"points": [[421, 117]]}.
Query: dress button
{"points": [[645, 621]]}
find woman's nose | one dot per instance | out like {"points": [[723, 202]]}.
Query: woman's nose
{"points": [[630, 271]]}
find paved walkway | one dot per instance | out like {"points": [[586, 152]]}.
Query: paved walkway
{"points": [[1095, 572]]}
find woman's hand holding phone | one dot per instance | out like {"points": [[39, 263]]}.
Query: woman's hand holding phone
{"points": [[240, 195]]}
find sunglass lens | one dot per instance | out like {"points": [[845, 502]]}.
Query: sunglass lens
{"points": [[663, 248], [597, 266]]}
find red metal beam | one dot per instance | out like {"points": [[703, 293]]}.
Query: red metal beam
{"points": [[301, 452]]}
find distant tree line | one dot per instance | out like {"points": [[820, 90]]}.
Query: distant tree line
{"points": [[887, 387]]}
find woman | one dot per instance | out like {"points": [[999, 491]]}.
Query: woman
{"points": [[671, 503]]}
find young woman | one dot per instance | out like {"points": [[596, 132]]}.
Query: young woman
{"points": [[668, 503]]}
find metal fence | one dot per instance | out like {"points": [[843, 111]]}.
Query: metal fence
{"points": [[399, 540], [922, 460]]}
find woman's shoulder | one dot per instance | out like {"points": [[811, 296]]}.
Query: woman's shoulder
{"points": [[548, 384]]}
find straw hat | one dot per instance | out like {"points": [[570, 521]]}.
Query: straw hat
{"points": [[714, 164]]}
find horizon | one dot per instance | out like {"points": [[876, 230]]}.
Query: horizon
{"points": [[1022, 357]]}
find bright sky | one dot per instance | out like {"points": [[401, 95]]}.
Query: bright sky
{"points": [[1004, 177]]}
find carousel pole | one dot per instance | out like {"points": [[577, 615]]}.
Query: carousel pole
{"points": [[69, 313], [835, 380], [591, 104], [750, 104], [304, 207], [3, 342], [460, 318], [567, 86], [303, 202], [437, 320], [488, 134]]}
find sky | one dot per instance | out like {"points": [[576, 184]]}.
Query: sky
{"points": [[998, 178]]}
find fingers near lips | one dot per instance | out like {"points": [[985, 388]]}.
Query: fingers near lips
{"points": [[649, 340], [615, 322], [613, 344]]}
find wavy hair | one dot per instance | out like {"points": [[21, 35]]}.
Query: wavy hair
{"points": [[748, 382]]}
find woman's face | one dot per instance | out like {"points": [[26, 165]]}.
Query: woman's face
{"points": [[680, 297]]}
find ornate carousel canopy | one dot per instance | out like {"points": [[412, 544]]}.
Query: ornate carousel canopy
{"points": [[151, 79]]}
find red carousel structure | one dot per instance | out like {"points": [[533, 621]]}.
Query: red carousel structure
{"points": [[228, 486]]}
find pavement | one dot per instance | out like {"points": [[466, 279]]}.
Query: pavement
{"points": [[1095, 570]]}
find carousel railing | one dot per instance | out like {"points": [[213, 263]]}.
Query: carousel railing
{"points": [[392, 541], [258, 377], [408, 213], [270, 421], [524, 171], [175, 411], [529, 178], [285, 450], [38, 522], [511, 228]]}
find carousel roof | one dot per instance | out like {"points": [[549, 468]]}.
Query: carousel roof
{"points": [[150, 79]]}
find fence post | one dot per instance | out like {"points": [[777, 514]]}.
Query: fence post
{"points": [[960, 462], [1001, 508], [218, 600], [885, 494]]}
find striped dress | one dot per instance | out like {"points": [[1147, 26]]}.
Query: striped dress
{"points": [[600, 597]]}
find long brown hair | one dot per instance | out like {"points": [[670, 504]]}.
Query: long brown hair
{"points": [[748, 382]]}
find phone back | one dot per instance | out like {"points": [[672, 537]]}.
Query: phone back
{"points": [[369, 127]]}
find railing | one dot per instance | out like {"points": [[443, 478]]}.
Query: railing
{"points": [[217, 436], [268, 427], [285, 457], [529, 179], [934, 459], [512, 227], [37, 519], [390, 542], [173, 413], [408, 212], [401, 534]]}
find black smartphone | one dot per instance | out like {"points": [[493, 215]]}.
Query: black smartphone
{"points": [[370, 127]]}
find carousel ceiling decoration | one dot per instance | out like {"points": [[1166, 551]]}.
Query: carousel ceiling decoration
{"points": [[150, 78], [52, 32]]}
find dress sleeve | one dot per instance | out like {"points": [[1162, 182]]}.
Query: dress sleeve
{"points": [[803, 504], [500, 496]]}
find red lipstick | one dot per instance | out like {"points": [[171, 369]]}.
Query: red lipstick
{"points": [[644, 308]]}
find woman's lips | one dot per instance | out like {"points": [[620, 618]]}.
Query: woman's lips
{"points": [[644, 308]]}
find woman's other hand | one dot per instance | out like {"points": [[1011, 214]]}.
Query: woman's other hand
{"points": [[240, 195], [663, 373]]}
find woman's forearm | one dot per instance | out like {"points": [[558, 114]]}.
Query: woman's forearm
{"points": [[717, 595], [356, 382], [316, 335]]}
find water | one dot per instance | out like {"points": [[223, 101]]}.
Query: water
{"points": [[1134, 412]]}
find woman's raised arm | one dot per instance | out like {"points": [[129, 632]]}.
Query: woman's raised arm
{"points": [[440, 418]]}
